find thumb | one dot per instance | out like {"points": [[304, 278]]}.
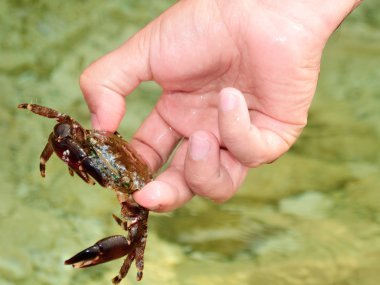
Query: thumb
{"points": [[109, 79]]}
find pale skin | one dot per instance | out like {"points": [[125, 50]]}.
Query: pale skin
{"points": [[238, 78]]}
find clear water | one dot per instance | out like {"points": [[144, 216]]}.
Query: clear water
{"points": [[310, 218]]}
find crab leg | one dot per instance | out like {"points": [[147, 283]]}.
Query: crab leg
{"points": [[124, 268], [45, 155], [120, 222], [140, 256], [43, 111]]}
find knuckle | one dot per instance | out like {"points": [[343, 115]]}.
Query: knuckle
{"points": [[201, 185], [213, 187], [85, 80], [200, 177], [197, 182], [251, 155], [223, 198], [232, 136], [253, 162]]}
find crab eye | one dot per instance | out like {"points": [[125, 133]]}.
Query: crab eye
{"points": [[62, 130]]}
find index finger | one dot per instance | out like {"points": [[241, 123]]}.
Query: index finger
{"points": [[108, 80]]}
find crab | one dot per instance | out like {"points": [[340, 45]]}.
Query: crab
{"points": [[109, 160]]}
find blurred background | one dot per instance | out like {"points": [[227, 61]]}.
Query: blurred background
{"points": [[312, 217]]}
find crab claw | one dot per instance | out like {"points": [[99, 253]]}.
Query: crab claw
{"points": [[104, 250]]}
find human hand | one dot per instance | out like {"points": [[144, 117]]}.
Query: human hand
{"points": [[267, 55]]}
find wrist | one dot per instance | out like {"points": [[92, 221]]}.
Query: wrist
{"points": [[321, 17], [333, 13]]}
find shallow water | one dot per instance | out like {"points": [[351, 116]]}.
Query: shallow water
{"points": [[310, 218]]}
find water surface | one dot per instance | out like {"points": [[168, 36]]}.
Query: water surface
{"points": [[310, 218]]}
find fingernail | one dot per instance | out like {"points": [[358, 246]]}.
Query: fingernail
{"points": [[199, 146], [228, 101]]}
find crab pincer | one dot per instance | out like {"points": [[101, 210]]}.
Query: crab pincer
{"points": [[104, 250]]}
